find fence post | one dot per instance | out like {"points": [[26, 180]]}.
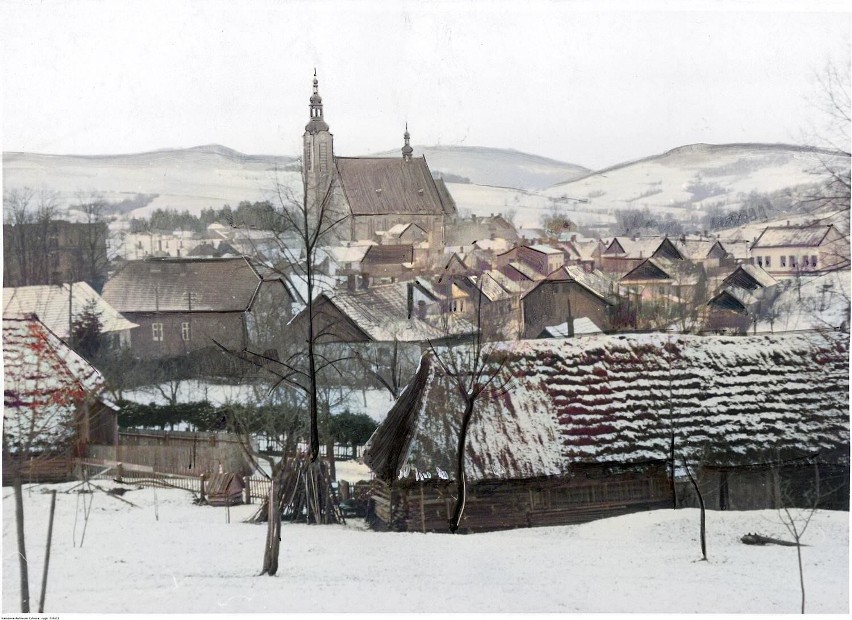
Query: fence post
{"points": [[247, 489], [120, 469], [201, 478]]}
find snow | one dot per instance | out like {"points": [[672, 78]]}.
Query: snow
{"points": [[192, 560]]}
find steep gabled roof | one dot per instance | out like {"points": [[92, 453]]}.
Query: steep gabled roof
{"points": [[749, 276], [694, 249], [792, 236], [377, 185], [50, 305], [640, 247], [593, 281], [176, 285], [733, 298], [651, 269], [730, 401], [45, 382]]}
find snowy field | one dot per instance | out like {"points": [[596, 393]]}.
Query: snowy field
{"points": [[191, 560]]}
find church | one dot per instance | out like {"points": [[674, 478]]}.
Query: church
{"points": [[373, 194]]}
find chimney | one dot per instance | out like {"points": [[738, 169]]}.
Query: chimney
{"points": [[365, 281], [351, 283], [788, 222], [421, 309], [573, 238], [410, 295]]}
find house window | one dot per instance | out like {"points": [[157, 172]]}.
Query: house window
{"points": [[157, 332], [307, 161], [793, 262], [760, 261], [813, 261], [805, 261], [767, 262], [783, 261], [185, 334]]}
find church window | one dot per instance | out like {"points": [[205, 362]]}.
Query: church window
{"points": [[307, 162], [323, 154]]}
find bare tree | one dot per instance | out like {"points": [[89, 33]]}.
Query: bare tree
{"points": [[29, 235], [477, 374], [93, 262]]}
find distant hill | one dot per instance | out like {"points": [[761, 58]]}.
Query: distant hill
{"points": [[193, 178], [694, 177], [496, 167]]}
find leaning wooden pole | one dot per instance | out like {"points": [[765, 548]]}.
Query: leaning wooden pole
{"points": [[47, 552]]}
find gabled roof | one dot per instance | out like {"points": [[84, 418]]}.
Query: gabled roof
{"points": [[45, 381], [733, 401], [640, 247], [694, 249], [525, 270], [347, 254], [381, 313], [377, 185], [733, 298], [652, 269], [50, 305], [755, 276], [792, 236], [737, 248], [544, 249], [509, 285], [389, 254], [176, 285], [593, 281], [398, 230]]}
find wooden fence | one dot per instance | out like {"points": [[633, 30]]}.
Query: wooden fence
{"points": [[177, 452]]}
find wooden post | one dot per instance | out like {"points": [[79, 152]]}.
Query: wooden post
{"points": [[422, 510], [119, 470], [47, 551], [201, 478], [344, 490], [247, 489]]}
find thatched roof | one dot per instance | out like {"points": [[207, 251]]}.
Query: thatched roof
{"points": [[729, 401]]}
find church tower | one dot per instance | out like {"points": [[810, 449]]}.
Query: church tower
{"points": [[318, 154]]}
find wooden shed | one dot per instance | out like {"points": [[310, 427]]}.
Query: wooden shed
{"points": [[224, 490], [602, 425]]}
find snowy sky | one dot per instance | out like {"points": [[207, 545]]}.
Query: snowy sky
{"points": [[589, 83]]}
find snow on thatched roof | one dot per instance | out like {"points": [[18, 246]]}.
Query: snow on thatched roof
{"points": [[617, 399], [45, 383]]}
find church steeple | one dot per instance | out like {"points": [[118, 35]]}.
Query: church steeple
{"points": [[316, 123], [406, 150], [318, 154]]}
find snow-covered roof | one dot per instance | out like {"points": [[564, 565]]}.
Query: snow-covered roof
{"points": [[639, 247], [44, 383], [545, 249], [792, 236], [50, 305], [382, 313], [595, 281], [618, 399], [347, 254]]}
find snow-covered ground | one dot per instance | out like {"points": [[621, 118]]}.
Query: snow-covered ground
{"points": [[191, 560]]}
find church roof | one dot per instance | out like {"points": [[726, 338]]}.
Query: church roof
{"points": [[378, 185]]}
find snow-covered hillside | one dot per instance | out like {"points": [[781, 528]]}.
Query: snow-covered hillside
{"points": [[178, 179], [692, 177], [165, 555], [499, 167]]}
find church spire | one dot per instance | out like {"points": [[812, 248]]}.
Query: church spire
{"points": [[316, 123], [406, 150]]}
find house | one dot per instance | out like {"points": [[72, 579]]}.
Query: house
{"points": [[51, 305], [466, 231], [387, 263], [625, 253], [795, 250], [494, 298], [371, 194], [53, 406], [384, 327], [568, 293], [749, 277], [602, 425], [183, 304]]}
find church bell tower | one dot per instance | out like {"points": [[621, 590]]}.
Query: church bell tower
{"points": [[318, 152]]}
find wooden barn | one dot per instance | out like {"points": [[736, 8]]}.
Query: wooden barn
{"points": [[605, 425]]}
